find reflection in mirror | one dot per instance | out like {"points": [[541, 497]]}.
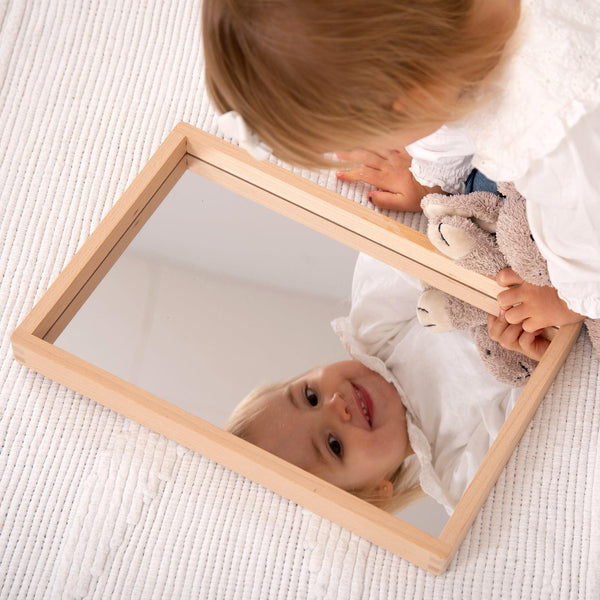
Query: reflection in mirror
{"points": [[218, 295], [215, 296]]}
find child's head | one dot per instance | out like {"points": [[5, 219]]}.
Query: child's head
{"points": [[321, 76], [343, 422]]}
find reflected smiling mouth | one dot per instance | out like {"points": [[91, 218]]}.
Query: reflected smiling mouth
{"points": [[365, 404]]}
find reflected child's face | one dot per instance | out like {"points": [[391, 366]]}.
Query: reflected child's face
{"points": [[343, 422]]}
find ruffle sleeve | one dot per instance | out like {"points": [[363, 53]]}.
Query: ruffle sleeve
{"points": [[549, 82], [442, 158]]}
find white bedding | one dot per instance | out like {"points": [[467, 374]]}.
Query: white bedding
{"points": [[94, 506]]}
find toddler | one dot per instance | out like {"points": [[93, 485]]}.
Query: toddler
{"points": [[511, 88], [412, 411]]}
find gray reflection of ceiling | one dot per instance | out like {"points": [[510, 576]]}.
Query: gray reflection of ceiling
{"points": [[206, 226]]}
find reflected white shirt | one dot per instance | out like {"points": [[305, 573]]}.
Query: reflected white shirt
{"points": [[455, 408]]}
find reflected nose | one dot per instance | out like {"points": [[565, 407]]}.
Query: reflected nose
{"points": [[340, 408]]}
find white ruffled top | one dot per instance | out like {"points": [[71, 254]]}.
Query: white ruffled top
{"points": [[550, 81], [542, 131], [454, 407]]}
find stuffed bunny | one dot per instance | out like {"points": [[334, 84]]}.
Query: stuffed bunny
{"points": [[485, 232]]}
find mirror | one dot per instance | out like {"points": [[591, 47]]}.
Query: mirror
{"points": [[217, 296], [160, 316]]}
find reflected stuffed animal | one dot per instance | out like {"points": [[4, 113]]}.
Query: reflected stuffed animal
{"points": [[485, 232]]}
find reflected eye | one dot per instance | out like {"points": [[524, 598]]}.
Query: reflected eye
{"points": [[334, 445], [311, 397]]}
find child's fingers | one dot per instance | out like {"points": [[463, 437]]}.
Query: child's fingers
{"points": [[363, 173], [508, 277], [533, 345], [509, 338], [399, 158], [510, 297], [532, 325], [391, 201], [399, 153], [504, 333], [362, 156], [513, 337], [516, 314], [496, 325]]}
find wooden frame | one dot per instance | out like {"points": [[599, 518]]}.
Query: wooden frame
{"points": [[340, 218]]}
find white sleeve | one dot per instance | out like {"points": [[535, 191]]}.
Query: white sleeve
{"points": [[442, 158], [563, 208], [383, 299]]}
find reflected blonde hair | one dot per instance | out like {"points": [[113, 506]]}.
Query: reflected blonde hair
{"points": [[405, 480], [317, 76]]}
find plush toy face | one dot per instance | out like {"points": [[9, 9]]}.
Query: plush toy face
{"points": [[462, 227], [485, 232]]}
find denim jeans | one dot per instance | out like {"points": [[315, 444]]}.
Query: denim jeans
{"points": [[476, 182]]}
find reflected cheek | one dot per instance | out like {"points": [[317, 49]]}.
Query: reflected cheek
{"points": [[382, 445]]}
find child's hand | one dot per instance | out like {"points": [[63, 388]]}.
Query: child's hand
{"points": [[513, 337], [387, 170], [533, 306]]}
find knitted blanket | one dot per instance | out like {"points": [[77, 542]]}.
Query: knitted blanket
{"points": [[95, 506]]}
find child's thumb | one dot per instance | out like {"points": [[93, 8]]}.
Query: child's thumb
{"points": [[508, 277]]}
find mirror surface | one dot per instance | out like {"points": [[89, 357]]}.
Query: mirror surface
{"points": [[210, 297], [218, 295]]}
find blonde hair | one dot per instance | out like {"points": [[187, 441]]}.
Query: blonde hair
{"points": [[406, 488], [318, 76]]}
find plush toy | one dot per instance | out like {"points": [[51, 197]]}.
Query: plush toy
{"points": [[485, 232]]}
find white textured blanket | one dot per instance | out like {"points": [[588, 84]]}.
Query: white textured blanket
{"points": [[94, 506]]}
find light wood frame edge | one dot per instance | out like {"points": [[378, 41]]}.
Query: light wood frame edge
{"points": [[187, 147], [398, 244], [508, 437]]}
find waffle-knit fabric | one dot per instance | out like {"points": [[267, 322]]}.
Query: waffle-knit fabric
{"points": [[95, 506]]}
